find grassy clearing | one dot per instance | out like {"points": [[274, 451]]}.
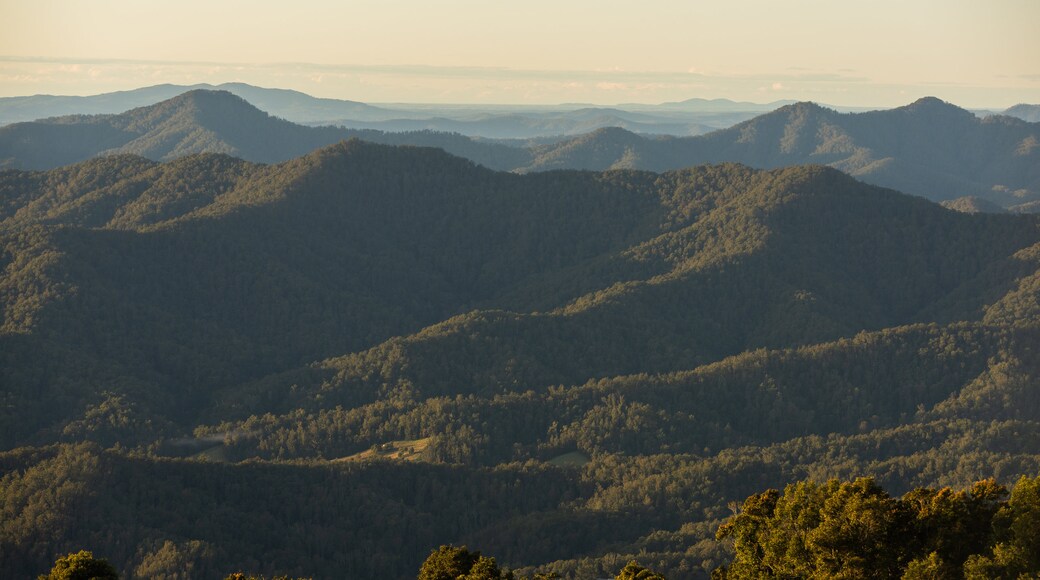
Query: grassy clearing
{"points": [[572, 459], [403, 450]]}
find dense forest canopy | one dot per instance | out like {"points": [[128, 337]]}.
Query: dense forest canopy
{"points": [[332, 365]]}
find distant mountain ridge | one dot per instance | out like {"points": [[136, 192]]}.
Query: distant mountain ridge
{"points": [[530, 125], [718, 105], [294, 105], [928, 148], [203, 121], [498, 122]]}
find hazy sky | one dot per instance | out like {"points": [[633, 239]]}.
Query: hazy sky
{"points": [[877, 53]]}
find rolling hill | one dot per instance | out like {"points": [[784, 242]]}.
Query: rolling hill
{"points": [[188, 347]]}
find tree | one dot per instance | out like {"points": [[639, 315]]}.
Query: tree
{"points": [[930, 568], [81, 566], [633, 571], [455, 563], [861, 533], [1018, 528]]}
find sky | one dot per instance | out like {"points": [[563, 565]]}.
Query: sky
{"points": [[839, 52]]}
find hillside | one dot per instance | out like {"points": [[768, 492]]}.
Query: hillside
{"points": [[202, 121], [189, 347], [928, 148]]}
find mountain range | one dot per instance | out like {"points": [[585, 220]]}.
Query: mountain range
{"points": [[287, 104], [928, 148], [556, 124], [206, 121], [330, 365], [489, 121]]}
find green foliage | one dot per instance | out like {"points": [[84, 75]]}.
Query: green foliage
{"points": [[81, 565], [856, 530], [930, 568], [633, 571], [458, 563]]}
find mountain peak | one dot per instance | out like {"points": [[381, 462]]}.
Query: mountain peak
{"points": [[613, 132], [207, 96], [799, 109], [933, 106]]}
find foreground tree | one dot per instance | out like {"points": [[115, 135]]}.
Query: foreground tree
{"points": [[458, 563], [81, 566], [633, 571], [856, 530], [1017, 529]]}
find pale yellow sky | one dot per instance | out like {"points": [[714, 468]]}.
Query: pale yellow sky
{"points": [[879, 53]]}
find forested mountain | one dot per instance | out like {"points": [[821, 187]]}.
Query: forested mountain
{"points": [[331, 365], [202, 121], [928, 148]]}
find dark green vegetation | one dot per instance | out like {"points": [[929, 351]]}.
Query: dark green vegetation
{"points": [[857, 530], [81, 566], [458, 563], [188, 348], [452, 563]]}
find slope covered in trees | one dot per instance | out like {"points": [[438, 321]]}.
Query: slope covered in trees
{"points": [[194, 353]]}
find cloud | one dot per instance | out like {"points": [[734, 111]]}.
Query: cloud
{"points": [[778, 86]]}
